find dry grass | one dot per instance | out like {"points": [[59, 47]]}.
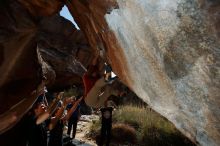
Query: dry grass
{"points": [[142, 118], [94, 129], [150, 128]]}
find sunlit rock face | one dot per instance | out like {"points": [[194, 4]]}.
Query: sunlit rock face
{"points": [[167, 52]]}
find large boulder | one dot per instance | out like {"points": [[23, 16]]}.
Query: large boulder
{"points": [[35, 41], [62, 47], [19, 75], [167, 52]]}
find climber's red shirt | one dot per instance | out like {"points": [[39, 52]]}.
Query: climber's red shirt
{"points": [[88, 82]]}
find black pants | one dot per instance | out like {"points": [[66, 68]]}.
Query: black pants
{"points": [[105, 133], [72, 123]]}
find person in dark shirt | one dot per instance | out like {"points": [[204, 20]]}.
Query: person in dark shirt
{"points": [[56, 130], [56, 134], [106, 112], [36, 134], [57, 121], [72, 122]]}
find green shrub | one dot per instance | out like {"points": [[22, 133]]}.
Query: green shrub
{"points": [[123, 133]]}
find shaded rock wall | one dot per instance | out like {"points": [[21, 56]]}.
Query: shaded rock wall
{"points": [[41, 7], [167, 52], [19, 75], [35, 41], [61, 46]]}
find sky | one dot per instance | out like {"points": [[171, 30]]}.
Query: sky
{"points": [[66, 14]]}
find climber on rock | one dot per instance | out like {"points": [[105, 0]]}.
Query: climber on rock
{"points": [[98, 88]]}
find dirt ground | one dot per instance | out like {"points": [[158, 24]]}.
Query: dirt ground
{"points": [[82, 129]]}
